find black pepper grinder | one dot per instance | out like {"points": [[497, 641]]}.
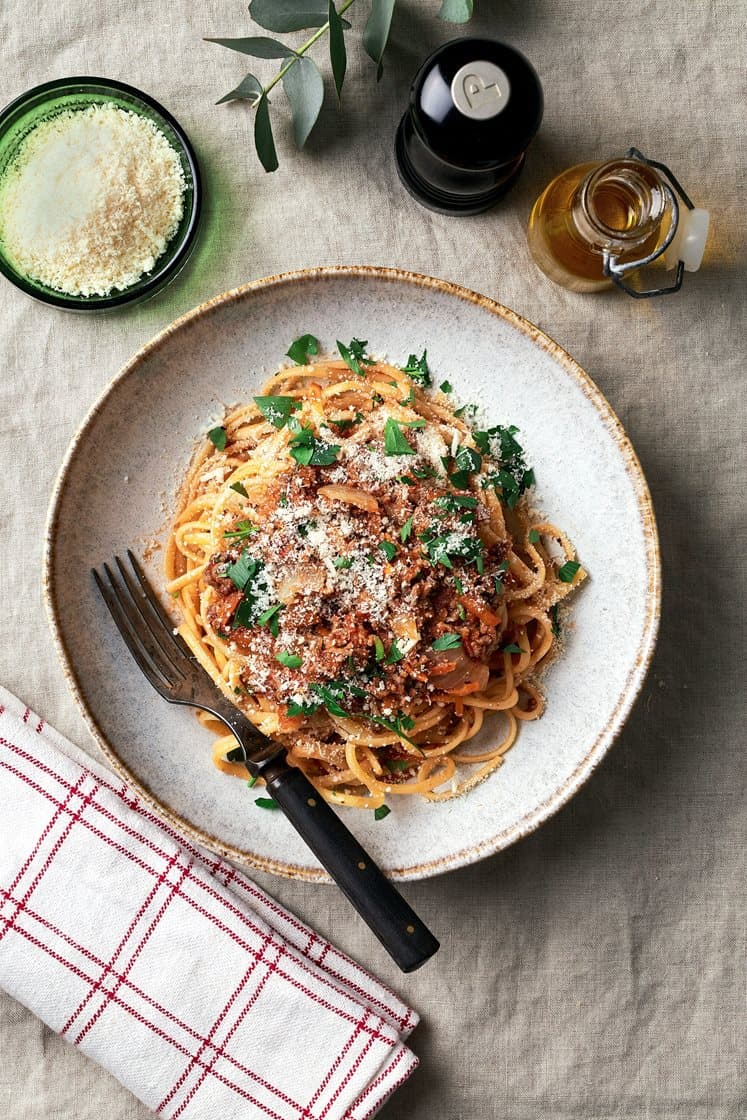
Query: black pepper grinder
{"points": [[475, 106]]}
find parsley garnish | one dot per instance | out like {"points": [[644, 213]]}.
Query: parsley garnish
{"points": [[443, 548], [266, 803], [282, 500], [300, 350], [452, 503], [382, 812], [513, 648], [379, 653], [333, 692], [394, 440], [218, 438], [239, 488], [389, 549], [417, 369], [243, 530], [349, 422], [395, 654], [277, 409], [307, 708], [290, 660], [555, 621], [568, 571], [447, 641], [243, 570], [343, 562], [398, 725], [396, 764], [446, 387], [514, 477], [252, 781], [308, 451], [409, 399], [461, 612], [459, 585], [353, 354], [269, 618], [406, 530], [533, 536], [419, 423]]}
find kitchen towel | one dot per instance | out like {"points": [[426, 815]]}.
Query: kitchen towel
{"points": [[169, 966]]}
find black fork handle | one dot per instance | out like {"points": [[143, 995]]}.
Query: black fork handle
{"points": [[407, 940]]}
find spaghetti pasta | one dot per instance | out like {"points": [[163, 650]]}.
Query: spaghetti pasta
{"points": [[359, 571]]}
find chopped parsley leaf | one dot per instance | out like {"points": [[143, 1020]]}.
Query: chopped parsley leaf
{"points": [[389, 549], [396, 764], [446, 387], [567, 573], [307, 708], [444, 549], [533, 536], [417, 369], [406, 530], [282, 500], [512, 648], [395, 654], [555, 621], [266, 803], [239, 488], [353, 354], [333, 692], [218, 438], [269, 618], [382, 812], [398, 725], [243, 570], [380, 653], [343, 562], [243, 530], [394, 440], [308, 451], [447, 641], [410, 397], [452, 503], [513, 477], [419, 423], [459, 585], [290, 660], [349, 422], [277, 410], [467, 459], [301, 350], [406, 480], [252, 781], [424, 472]]}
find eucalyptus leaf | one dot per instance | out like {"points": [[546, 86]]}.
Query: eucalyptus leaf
{"points": [[263, 140], [259, 46], [456, 11], [337, 52], [376, 32], [305, 89], [288, 15], [248, 90]]}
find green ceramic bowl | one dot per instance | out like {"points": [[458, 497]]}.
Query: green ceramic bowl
{"points": [[19, 118]]}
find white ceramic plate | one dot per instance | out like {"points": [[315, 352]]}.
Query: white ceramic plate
{"points": [[117, 488]]}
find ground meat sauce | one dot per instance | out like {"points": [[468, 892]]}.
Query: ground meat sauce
{"points": [[355, 612]]}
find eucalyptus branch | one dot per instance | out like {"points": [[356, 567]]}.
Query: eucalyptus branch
{"points": [[301, 78], [304, 47]]}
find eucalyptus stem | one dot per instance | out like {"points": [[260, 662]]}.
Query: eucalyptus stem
{"points": [[304, 48]]}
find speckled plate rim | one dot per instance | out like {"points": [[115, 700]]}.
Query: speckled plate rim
{"points": [[550, 805]]}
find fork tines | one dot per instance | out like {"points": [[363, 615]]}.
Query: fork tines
{"points": [[143, 623]]}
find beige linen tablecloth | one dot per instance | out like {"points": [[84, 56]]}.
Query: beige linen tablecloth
{"points": [[594, 970]]}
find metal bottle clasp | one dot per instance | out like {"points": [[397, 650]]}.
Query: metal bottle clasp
{"points": [[617, 271]]}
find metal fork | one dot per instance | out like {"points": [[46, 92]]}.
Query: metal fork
{"points": [[176, 674]]}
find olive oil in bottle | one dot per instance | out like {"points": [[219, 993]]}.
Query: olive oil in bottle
{"points": [[590, 212]]}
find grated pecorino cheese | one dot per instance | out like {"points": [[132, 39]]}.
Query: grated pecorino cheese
{"points": [[91, 200]]}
